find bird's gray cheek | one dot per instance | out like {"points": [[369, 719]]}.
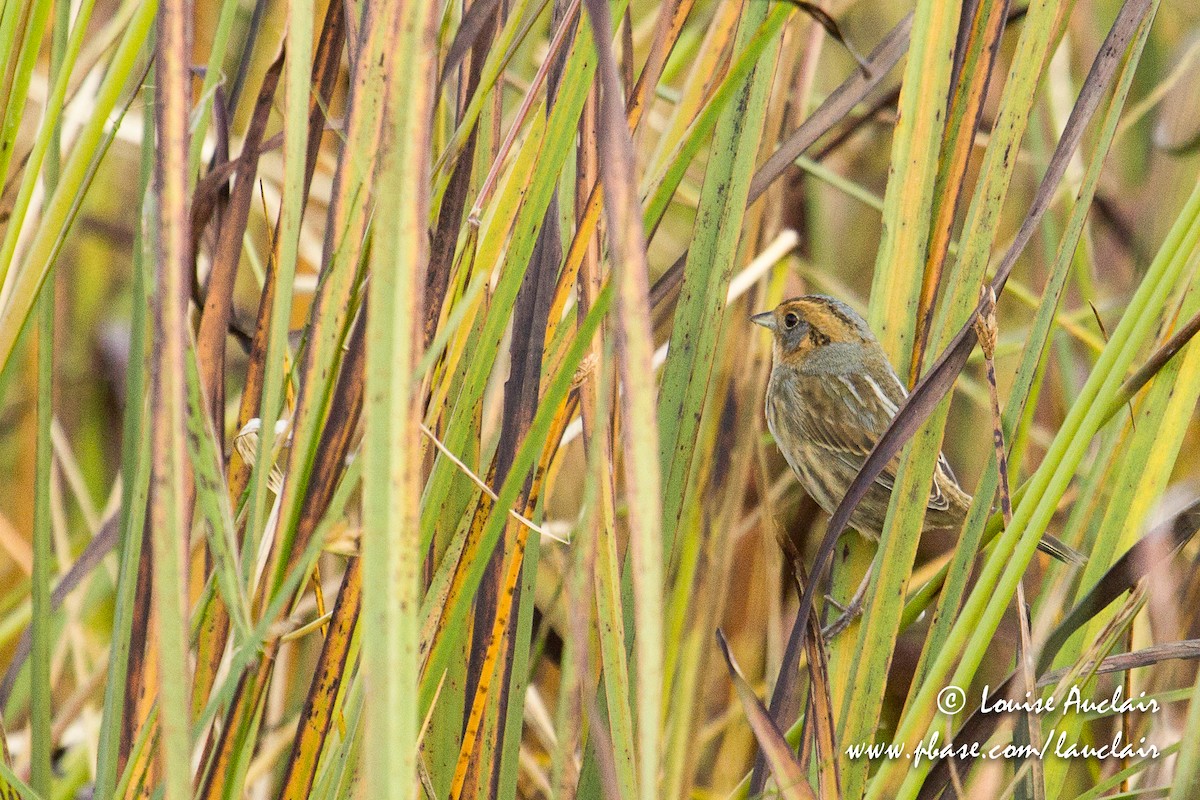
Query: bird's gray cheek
{"points": [[795, 336]]}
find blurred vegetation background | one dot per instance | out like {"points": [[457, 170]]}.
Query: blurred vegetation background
{"points": [[345, 454]]}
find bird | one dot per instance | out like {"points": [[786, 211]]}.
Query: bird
{"points": [[832, 393]]}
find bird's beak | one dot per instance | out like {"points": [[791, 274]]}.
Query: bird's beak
{"points": [[766, 319]]}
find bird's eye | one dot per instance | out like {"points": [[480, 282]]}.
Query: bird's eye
{"points": [[790, 321]]}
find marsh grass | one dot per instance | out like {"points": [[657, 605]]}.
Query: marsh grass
{"points": [[348, 455]]}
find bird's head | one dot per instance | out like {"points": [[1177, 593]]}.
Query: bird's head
{"points": [[804, 325]]}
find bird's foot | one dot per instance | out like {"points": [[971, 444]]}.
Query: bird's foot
{"points": [[849, 614], [829, 599]]}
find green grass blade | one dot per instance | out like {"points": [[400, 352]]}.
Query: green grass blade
{"points": [[20, 287], [700, 312], [297, 79], [135, 469], [908, 202], [40, 690], [985, 606], [1030, 372], [392, 413]]}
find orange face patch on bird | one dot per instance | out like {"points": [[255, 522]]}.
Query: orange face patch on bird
{"points": [[804, 324]]}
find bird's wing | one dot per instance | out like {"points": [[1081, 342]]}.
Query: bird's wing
{"points": [[848, 432]]}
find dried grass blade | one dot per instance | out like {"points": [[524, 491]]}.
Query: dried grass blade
{"points": [[332, 665], [975, 60], [666, 36], [1185, 650], [789, 778], [218, 301], [640, 435], [475, 21], [169, 475], [840, 102], [820, 714], [493, 645], [1030, 732]]}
